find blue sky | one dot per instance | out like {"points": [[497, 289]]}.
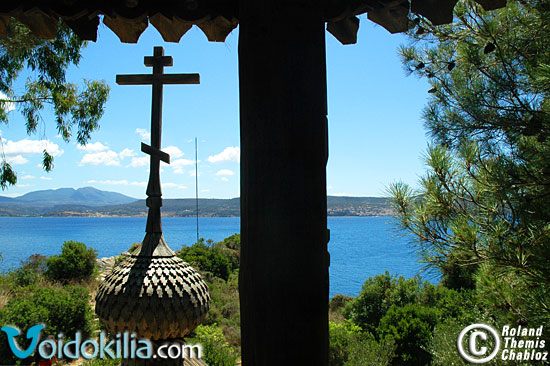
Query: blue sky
{"points": [[375, 132]]}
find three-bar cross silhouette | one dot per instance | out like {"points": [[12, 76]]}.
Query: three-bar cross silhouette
{"points": [[157, 79]]}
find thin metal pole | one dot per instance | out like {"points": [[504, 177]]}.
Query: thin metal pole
{"points": [[197, 186]]}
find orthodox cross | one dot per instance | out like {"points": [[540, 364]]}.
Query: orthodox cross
{"points": [[157, 79]]}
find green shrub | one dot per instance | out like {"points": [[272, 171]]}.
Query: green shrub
{"points": [[30, 272], [366, 351], [442, 347], [233, 242], [337, 307], [225, 307], [208, 259], [349, 346], [216, 350], [411, 328], [76, 262], [378, 294], [341, 335], [63, 310]]}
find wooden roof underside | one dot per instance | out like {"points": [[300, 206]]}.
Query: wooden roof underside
{"points": [[216, 18]]}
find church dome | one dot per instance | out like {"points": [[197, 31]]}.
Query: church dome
{"points": [[153, 293]]}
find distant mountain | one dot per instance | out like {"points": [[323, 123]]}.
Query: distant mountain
{"points": [[87, 196], [41, 202], [94, 202]]}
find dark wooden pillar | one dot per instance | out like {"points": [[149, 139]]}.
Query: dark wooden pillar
{"points": [[284, 259]]}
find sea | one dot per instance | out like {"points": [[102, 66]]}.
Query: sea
{"points": [[359, 246]]}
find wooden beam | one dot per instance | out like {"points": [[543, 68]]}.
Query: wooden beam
{"points": [[162, 60], [437, 11], [4, 23], [283, 278], [156, 153], [345, 30], [393, 18], [127, 30], [41, 24], [148, 79], [171, 29], [491, 4], [85, 28]]}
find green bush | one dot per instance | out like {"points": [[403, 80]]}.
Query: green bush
{"points": [[76, 262], [225, 307], [411, 328], [30, 272], [366, 351], [216, 351], [208, 259], [349, 346], [337, 307], [378, 294], [232, 242], [341, 335], [63, 310], [442, 347], [231, 248]]}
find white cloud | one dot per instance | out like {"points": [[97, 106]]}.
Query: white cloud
{"points": [[126, 153], [178, 164], [231, 153], [329, 188], [92, 148], [28, 176], [174, 151], [205, 190], [224, 179], [46, 178], [123, 182], [17, 160], [225, 172], [137, 162], [173, 185], [6, 106], [143, 133], [192, 173], [109, 158], [182, 162], [27, 146]]}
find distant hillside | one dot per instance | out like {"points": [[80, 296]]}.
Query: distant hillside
{"points": [[87, 196], [93, 202], [358, 206], [42, 203]]}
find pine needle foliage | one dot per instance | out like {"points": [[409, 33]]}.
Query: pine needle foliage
{"points": [[484, 201]]}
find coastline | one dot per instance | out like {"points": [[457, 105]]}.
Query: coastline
{"points": [[164, 215]]}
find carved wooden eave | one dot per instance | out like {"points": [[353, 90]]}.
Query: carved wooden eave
{"points": [[216, 18]]}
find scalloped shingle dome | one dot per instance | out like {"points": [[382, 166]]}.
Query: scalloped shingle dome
{"points": [[156, 295]]}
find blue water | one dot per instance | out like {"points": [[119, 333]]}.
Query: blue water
{"points": [[359, 247]]}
